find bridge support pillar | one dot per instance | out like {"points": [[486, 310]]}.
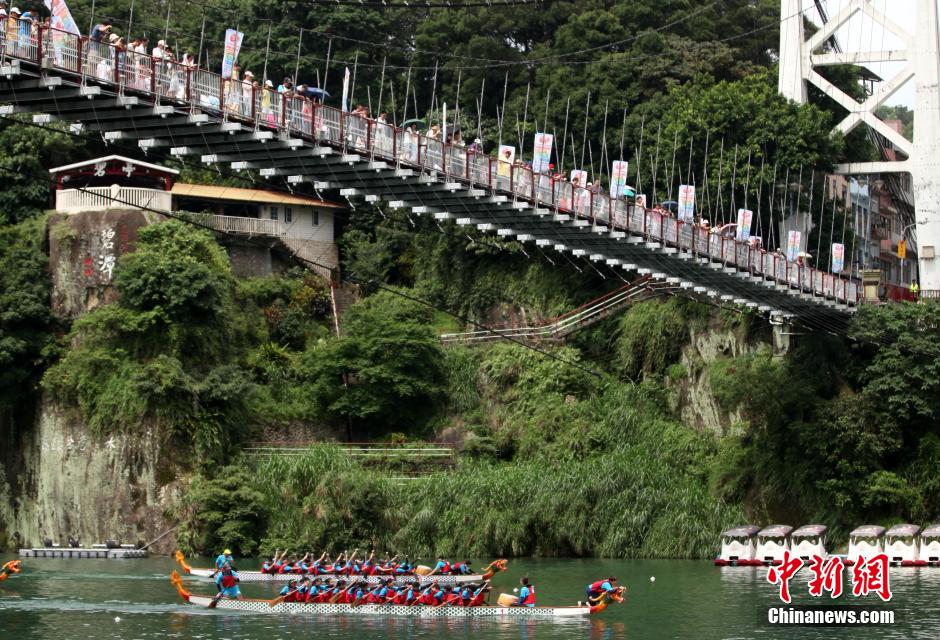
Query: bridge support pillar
{"points": [[781, 338], [926, 156]]}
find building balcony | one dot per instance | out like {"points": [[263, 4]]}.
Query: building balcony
{"points": [[114, 197]]}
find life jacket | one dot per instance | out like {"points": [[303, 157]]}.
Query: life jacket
{"points": [[228, 580], [311, 595], [286, 568], [445, 568], [529, 599], [597, 586], [459, 568], [477, 600], [401, 597], [266, 567]]}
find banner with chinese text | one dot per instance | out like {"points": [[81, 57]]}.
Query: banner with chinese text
{"points": [[793, 245], [542, 155], [744, 224], [233, 44], [686, 203]]}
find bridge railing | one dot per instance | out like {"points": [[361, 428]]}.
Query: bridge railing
{"points": [[174, 83]]}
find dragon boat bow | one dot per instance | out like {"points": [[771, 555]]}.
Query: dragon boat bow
{"points": [[257, 576], [410, 611]]}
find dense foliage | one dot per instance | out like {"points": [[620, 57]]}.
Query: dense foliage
{"points": [[26, 320]]}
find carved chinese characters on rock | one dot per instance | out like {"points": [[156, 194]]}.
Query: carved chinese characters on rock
{"points": [[99, 255]]}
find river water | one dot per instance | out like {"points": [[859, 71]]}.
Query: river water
{"points": [[133, 599]]}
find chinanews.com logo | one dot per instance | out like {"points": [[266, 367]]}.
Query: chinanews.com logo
{"points": [[869, 577]]}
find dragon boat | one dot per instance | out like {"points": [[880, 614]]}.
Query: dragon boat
{"points": [[502, 610], [420, 573], [10, 568]]}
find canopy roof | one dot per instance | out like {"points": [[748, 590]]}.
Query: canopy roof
{"points": [[259, 196], [775, 530], [869, 531], [905, 530], [808, 530], [742, 531], [113, 158], [933, 531]]}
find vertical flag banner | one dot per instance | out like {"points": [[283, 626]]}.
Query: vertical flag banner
{"points": [[686, 203], [233, 44], [542, 155], [61, 16], [507, 155], [793, 245], [618, 178], [744, 224], [838, 257], [346, 89], [444, 123]]}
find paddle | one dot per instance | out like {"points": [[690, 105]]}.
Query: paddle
{"points": [[278, 600]]}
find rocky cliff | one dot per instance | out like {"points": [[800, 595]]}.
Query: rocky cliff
{"points": [[60, 480]]}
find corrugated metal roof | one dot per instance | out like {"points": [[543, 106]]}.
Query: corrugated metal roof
{"points": [[211, 192]]}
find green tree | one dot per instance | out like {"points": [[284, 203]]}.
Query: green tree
{"points": [[28, 153], [385, 372], [26, 321]]}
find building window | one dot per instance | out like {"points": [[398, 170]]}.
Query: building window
{"points": [[288, 214], [316, 217], [273, 211]]}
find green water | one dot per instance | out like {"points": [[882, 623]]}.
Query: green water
{"points": [[689, 599]]}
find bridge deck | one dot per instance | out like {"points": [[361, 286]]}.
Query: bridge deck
{"points": [[191, 112]]}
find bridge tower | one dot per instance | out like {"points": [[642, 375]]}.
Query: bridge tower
{"points": [[920, 53]]}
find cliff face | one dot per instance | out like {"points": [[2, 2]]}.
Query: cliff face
{"points": [[697, 405], [60, 480], [72, 484]]}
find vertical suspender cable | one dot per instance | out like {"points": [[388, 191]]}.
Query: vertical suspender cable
{"points": [[525, 122], [639, 152], [734, 179], [545, 117], [267, 50], [605, 160], [480, 111], [503, 115], [760, 193], [832, 227], [130, 23], [300, 41], [587, 113], [655, 171], [672, 169], [352, 89], [381, 87], [708, 201], [721, 166], [457, 103], [433, 95], [822, 212], [404, 115], [564, 139], [326, 68], [202, 36]]}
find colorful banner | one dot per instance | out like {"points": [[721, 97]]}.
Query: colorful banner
{"points": [[686, 203], [61, 17], [793, 245], [542, 155], [444, 123], [618, 178], [507, 155], [838, 257], [744, 224], [233, 44], [346, 89]]}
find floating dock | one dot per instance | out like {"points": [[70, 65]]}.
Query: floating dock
{"points": [[98, 551]]}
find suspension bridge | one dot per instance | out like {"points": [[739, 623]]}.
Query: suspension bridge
{"points": [[170, 108]]}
